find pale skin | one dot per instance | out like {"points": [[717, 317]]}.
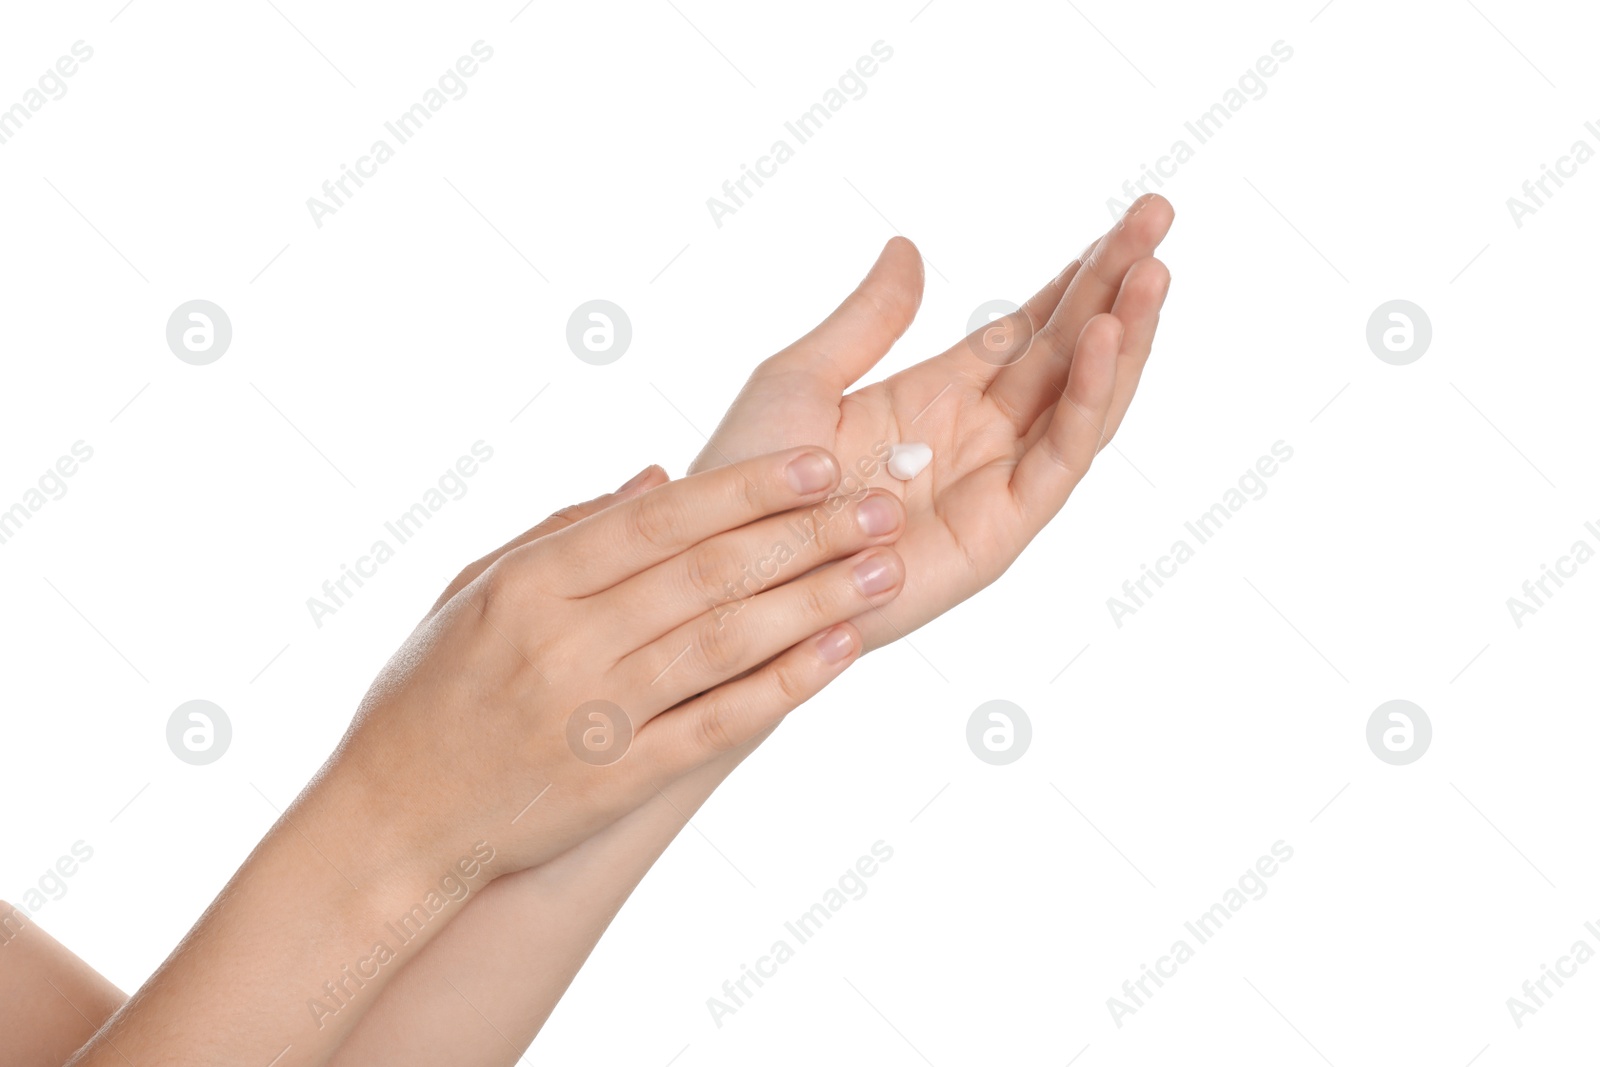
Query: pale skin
{"points": [[1010, 442]]}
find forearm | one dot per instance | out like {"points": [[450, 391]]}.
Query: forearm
{"points": [[298, 945], [51, 1002], [479, 994], [514, 947]]}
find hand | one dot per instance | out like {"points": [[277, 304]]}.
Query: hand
{"points": [[462, 758], [1010, 442], [631, 629], [557, 911]]}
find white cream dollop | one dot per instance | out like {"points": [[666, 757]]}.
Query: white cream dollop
{"points": [[906, 461]]}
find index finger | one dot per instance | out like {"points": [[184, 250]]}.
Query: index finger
{"points": [[602, 550]]}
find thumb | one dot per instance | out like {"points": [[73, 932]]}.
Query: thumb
{"points": [[849, 342]]}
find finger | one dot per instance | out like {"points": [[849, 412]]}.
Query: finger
{"points": [[718, 645], [742, 563], [1138, 308], [619, 542], [1055, 463], [849, 342], [646, 479], [985, 351], [737, 712], [1025, 388]]}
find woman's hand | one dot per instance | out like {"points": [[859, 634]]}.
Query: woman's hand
{"points": [[585, 668], [559, 684], [980, 429], [1015, 412]]}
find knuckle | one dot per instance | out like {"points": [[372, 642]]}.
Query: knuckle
{"points": [[792, 683], [714, 725], [655, 521], [1054, 452], [500, 592], [720, 648], [709, 570], [815, 599], [752, 494]]}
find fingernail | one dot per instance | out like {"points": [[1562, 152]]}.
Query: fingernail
{"points": [[810, 473], [636, 481], [877, 515], [874, 575], [835, 645]]}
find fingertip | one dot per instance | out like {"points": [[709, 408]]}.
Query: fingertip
{"points": [[1152, 273], [838, 645], [902, 274], [900, 244], [1096, 370], [642, 482], [1105, 329], [812, 471], [880, 514], [878, 573]]}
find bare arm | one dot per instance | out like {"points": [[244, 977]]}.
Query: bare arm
{"points": [[51, 1002]]}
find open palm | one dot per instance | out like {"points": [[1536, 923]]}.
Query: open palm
{"points": [[1014, 413]]}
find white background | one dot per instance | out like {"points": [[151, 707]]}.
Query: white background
{"points": [[1222, 717]]}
